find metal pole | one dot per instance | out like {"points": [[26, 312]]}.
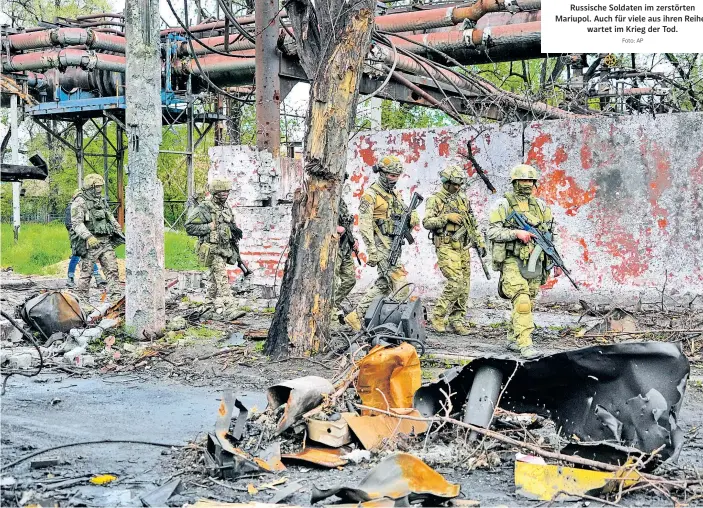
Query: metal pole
{"points": [[120, 174], [190, 177], [268, 83], [16, 186], [106, 174], [79, 152]]}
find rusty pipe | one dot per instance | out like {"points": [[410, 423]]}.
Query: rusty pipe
{"points": [[448, 16], [506, 18], [98, 16], [213, 25], [221, 70], [236, 43], [60, 59], [67, 36]]}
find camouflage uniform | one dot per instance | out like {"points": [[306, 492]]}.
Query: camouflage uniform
{"points": [[96, 233], [510, 255], [378, 205], [212, 222], [452, 253], [344, 269]]}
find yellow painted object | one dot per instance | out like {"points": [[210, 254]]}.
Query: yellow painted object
{"points": [[547, 482], [103, 479]]}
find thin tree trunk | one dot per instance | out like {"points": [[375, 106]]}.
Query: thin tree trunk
{"points": [[333, 42]]}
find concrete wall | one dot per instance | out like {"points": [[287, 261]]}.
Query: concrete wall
{"points": [[627, 196]]}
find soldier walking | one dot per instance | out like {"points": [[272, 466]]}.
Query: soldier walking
{"points": [[212, 222], [97, 234], [378, 208], [511, 250], [344, 269], [449, 217]]}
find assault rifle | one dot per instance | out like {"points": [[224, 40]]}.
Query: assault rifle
{"points": [[544, 244], [348, 237], [236, 235], [401, 229], [464, 229]]}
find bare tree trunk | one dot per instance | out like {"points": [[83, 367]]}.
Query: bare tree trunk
{"points": [[144, 217], [333, 42]]}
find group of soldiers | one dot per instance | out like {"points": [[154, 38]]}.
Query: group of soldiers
{"points": [[448, 217], [454, 230]]}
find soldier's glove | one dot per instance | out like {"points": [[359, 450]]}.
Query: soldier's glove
{"points": [[214, 237], [373, 260], [482, 251], [92, 242], [454, 217]]}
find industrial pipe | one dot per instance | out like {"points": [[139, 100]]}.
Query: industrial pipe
{"points": [[67, 37], [106, 83], [220, 69], [236, 43], [448, 16], [507, 18], [204, 27], [60, 59], [98, 16]]}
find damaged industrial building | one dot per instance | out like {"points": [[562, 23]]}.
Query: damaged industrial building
{"points": [[360, 254]]}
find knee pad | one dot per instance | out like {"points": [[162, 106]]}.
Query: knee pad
{"points": [[522, 304]]}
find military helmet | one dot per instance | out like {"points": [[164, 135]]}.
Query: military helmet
{"points": [[220, 185], [93, 180], [453, 174], [523, 172], [389, 164]]}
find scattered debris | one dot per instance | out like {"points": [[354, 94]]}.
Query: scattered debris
{"points": [[396, 477], [388, 322], [160, 495], [286, 492], [325, 457], [42, 463], [389, 377], [372, 431], [299, 395], [330, 433], [357, 456], [615, 320], [634, 390], [177, 323], [535, 479], [51, 312], [235, 339], [103, 479]]}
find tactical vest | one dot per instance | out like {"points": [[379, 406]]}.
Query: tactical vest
{"points": [[461, 206], [535, 213], [387, 206], [97, 217]]}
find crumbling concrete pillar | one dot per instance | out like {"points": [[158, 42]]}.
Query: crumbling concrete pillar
{"points": [[145, 293]]}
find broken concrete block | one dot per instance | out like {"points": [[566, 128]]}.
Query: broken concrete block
{"points": [[81, 341], [75, 332], [92, 334], [177, 323], [73, 356], [88, 361], [20, 361], [108, 323]]}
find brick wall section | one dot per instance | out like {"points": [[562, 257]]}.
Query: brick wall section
{"points": [[627, 196]]}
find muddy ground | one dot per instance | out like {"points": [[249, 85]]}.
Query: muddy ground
{"points": [[170, 396]]}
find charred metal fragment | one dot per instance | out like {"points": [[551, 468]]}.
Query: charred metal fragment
{"points": [[390, 322], [52, 312], [299, 395], [615, 398]]}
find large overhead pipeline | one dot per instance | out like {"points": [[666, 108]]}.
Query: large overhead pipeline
{"points": [[507, 18], [479, 45], [221, 70], [427, 19], [63, 58], [236, 43], [210, 26], [104, 82], [67, 36]]}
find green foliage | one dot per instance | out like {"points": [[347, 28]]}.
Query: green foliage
{"points": [[42, 246], [402, 116], [202, 332]]}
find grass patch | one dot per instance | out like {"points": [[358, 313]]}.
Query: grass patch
{"points": [[41, 246], [259, 346], [269, 310], [202, 332]]}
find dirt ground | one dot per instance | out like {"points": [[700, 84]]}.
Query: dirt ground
{"points": [[169, 394]]}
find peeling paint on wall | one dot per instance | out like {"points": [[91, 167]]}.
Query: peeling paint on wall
{"points": [[627, 196]]}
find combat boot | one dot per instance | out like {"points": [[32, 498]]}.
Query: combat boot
{"points": [[71, 282], [529, 353], [352, 319], [460, 328], [512, 346], [437, 323]]}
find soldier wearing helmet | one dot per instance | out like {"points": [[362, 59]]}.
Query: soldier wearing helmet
{"points": [[511, 249], [453, 227], [212, 222], [377, 208], [96, 234]]}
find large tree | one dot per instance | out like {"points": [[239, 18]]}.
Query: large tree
{"points": [[332, 39]]}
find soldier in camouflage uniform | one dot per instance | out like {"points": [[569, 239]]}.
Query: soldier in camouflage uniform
{"points": [[344, 269], [449, 217], [212, 222], [97, 233], [511, 250], [378, 205]]}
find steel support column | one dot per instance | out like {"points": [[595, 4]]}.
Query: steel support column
{"points": [[106, 173], [119, 153], [190, 176], [16, 186], [268, 84]]}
